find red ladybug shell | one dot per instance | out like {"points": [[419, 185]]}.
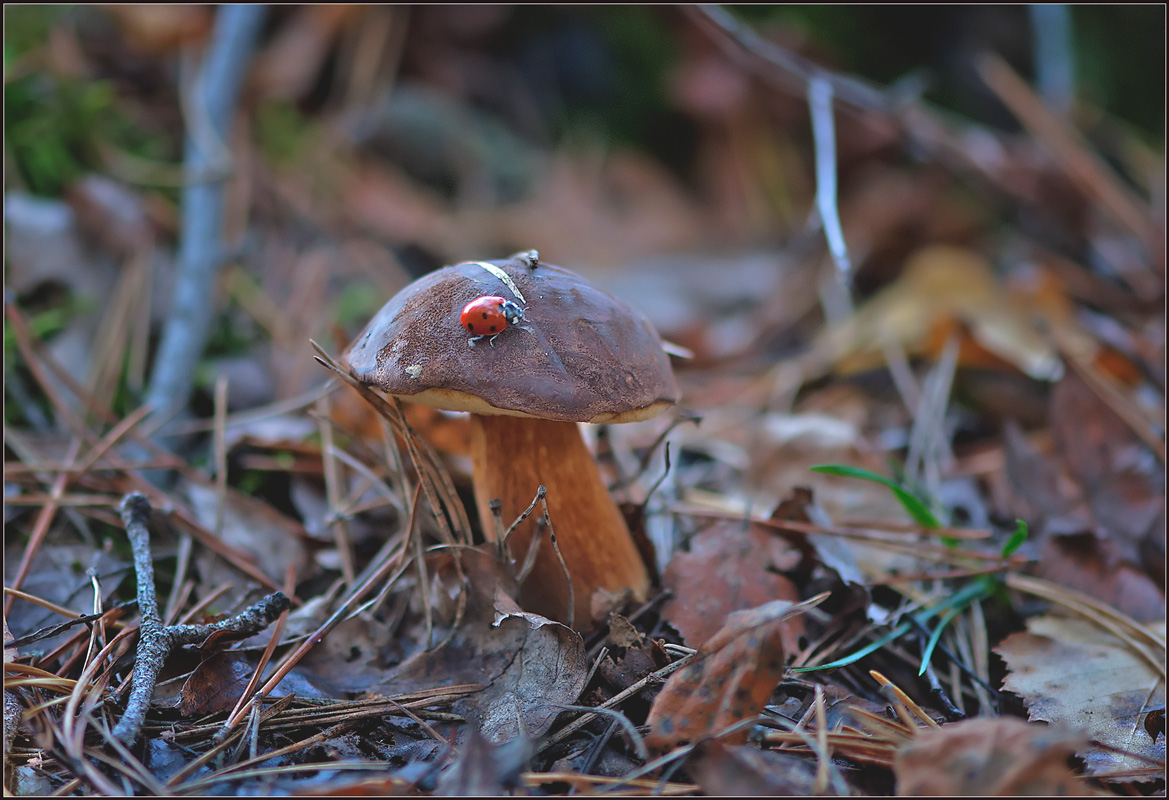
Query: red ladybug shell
{"points": [[489, 315]]}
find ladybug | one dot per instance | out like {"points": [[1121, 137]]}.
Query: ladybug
{"points": [[488, 316]]}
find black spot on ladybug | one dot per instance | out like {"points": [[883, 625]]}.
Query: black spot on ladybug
{"points": [[492, 329]]}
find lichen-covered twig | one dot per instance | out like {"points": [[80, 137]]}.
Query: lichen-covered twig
{"points": [[155, 640]]}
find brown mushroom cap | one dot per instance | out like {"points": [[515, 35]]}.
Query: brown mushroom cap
{"points": [[587, 357]]}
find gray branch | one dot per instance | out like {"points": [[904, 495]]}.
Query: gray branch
{"points": [[155, 640], [206, 160]]}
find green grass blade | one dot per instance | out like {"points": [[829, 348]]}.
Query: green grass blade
{"points": [[852, 658], [916, 508], [1017, 538], [936, 636]]}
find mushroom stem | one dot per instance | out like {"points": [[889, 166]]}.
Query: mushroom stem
{"points": [[511, 457]]}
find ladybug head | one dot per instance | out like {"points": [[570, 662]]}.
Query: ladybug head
{"points": [[511, 312]]}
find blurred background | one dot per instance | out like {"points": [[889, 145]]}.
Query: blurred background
{"points": [[996, 346], [639, 144], [1000, 175]]}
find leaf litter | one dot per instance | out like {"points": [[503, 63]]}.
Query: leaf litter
{"points": [[1004, 361]]}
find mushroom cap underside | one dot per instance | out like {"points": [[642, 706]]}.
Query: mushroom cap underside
{"points": [[579, 354]]}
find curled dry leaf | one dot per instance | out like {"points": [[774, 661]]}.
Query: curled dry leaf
{"points": [[991, 757], [632, 655], [731, 679]]}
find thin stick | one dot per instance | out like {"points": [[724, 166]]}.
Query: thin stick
{"points": [[333, 493], [822, 757], [824, 143], [616, 699], [156, 640], [211, 102], [220, 449], [559, 557]]}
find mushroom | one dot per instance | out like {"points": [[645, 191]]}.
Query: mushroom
{"points": [[576, 355]]}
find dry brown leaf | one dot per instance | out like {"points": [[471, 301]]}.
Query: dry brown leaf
{"points": [[944, 290], [1070, 672], [746, 771], [991, 757], [632, 655], [1092, 565], [728, 569], [275, 540], [216, 684], [530, 665], [1123, 484], [731, 679]]}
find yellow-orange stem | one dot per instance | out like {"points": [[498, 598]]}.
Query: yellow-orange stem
{"points": [[512, 456]]}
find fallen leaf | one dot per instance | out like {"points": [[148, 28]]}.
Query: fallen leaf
{"points": [[744, 771], [1072, 673], [216, 684], [275, 540], [485, 770], [1091, 565], [632, 655], [731, 679], [943, 290], [730, 567], [1155, 723], [990, 757], [1121, 479], [529, 664]]}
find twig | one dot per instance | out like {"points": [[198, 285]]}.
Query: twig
{"points": [[616, 699], [571, 602], [1053, 55], [156, 640], [622, 720], [788, 65], [824, 143], [530, 558], [200, 250]]}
